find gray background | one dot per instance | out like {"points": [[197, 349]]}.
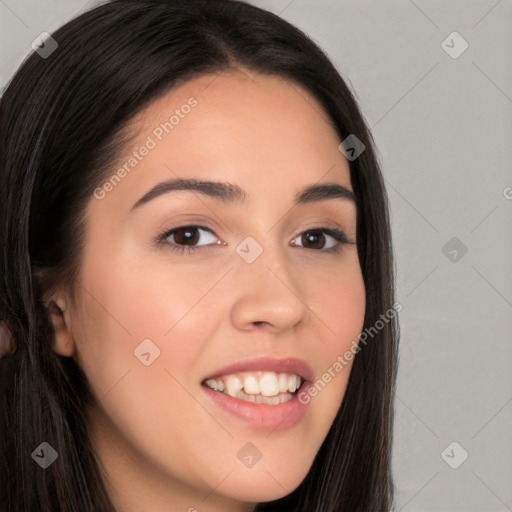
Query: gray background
{"points": [[442, 128]]}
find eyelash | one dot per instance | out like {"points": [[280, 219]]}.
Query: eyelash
{"points": [[337, 234]]}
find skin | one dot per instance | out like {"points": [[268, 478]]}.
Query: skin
{"points": [[6, 343], [161, 444]]}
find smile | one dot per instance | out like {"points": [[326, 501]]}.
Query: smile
{"points": [[261, 387], [261, 392]]}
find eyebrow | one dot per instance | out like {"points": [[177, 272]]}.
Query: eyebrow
{"points": [[230, 193]]}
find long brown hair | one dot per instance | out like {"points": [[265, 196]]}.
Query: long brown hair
{"points": [[61, 120]]}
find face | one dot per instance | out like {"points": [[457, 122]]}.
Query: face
{"points": [[252, 285]]}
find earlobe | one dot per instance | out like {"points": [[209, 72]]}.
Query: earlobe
{"points": [[63, 343]]}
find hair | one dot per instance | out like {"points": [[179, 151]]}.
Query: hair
{"points": [[63, 122]]}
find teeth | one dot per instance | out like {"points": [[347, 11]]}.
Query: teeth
{"points": [[256, 384], [260, 399], [292, 382], [212, 383], [268, 384], [283, 382], [251, 385], [233, 386]]}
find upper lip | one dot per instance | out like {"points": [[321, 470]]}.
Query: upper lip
{"points": [[290, 365]]}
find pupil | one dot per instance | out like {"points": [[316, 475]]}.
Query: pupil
{"points": [[312, 237], [188, 236]]}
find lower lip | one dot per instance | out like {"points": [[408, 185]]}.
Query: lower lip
{"points": [[264, 417]]}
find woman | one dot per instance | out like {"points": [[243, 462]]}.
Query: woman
{"points": [[154, 371]]}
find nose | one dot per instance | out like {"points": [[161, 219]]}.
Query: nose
{"points": [[267, 293]]}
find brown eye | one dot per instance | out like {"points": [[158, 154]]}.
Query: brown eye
{"points": [[313, 239], [188, 235], [322, 238]]}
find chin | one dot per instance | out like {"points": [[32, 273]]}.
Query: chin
{"points": [[261, 486]]}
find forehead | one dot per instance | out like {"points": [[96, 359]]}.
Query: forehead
{"points": [[263, 117], [261, 132], [236, 93]]}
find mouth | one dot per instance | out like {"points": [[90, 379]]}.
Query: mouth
{"points": [[260, 387], [262, 392]]}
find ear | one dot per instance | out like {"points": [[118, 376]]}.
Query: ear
{"points": [[61, 319], [7, 343]]}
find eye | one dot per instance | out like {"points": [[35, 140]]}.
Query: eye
{"points": [[185, 238], [317, 238]]}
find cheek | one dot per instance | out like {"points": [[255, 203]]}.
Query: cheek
{"points": [[340, 304], [155, 300], [146, 407], [141, 334]]}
